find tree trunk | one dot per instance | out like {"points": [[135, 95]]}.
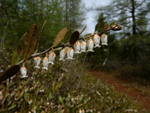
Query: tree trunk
{"points": [[134, 29]]}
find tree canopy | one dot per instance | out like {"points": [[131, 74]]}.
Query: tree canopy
{"points": [[18, 15]]}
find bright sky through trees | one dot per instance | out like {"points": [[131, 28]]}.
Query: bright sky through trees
{"points": [[90, 15]]}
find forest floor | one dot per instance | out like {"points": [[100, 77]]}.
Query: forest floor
{"points": [[140, 94]]}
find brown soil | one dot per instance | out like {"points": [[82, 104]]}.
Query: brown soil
{"points": [[141, 96]]}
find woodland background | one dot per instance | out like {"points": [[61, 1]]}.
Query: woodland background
{"points": [[128, 50]]}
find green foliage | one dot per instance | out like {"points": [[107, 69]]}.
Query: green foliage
{"points": [[131, 39], [88, 34], [138, 73], [112, 23], [64, 87], [12, 107], [126, 49], [21, 14], [74, 14], [101, 22]]}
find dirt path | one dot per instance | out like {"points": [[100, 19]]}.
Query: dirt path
{"points": [[141, 97]]}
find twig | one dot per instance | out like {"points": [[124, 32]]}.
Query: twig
{"points": [[98, 34], [82, 30], [67, 44]]}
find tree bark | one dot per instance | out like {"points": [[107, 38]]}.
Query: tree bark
{"points": [[134, 29]]}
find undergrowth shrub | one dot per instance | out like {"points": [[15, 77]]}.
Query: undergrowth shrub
{"points": [[65, 87], [139, 72]]}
